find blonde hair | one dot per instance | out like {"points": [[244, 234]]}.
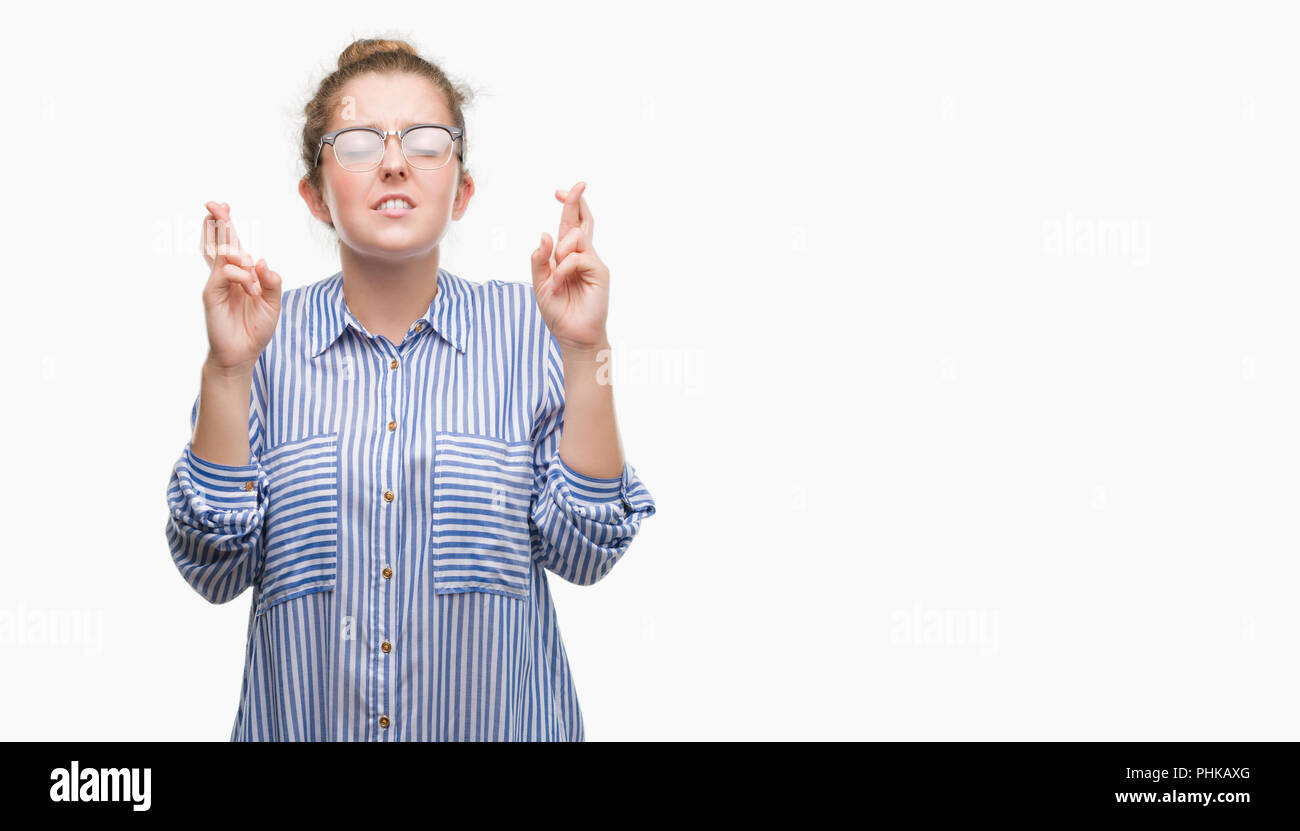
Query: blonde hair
{"points": [[384, 57]]}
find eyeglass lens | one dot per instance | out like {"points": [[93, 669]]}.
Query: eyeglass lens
{"points": [[427, 148]]}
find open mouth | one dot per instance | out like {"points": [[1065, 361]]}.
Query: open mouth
{"points": [[394, 207]]}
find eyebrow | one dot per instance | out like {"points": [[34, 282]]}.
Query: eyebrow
{"points": [[404, 124]]}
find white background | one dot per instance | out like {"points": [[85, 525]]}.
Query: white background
{"points": [[957, 340]]}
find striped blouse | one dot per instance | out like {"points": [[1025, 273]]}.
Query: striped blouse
{"points": [[399, 511]]}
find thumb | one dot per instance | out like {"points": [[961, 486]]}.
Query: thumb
{"points": [[541, 261], [271, 282]]}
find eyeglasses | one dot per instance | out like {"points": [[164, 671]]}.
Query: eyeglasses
{"points": [[425, 146]]}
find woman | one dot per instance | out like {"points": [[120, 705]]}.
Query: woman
{"points": [[396, 463]]}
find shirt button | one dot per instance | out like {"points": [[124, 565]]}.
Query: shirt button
{"points": [[248, 486], [388, 496], [392, 425], [388, 573], [419, 327], [383, 721], [387, 647], [394, 363]]}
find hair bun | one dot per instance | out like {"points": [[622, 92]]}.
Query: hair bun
{"points": [[385, 57], [361, 49]]}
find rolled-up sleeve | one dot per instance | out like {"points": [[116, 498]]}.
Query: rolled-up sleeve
{"points": [[584, 525], [215, 514]]}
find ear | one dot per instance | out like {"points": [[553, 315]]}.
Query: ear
{"points": [[462, 197], [315, 204]]}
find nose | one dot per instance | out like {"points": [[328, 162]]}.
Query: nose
{"points": [[394, 162]]}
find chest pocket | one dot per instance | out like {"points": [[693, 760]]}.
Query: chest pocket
{"points": [[482, 490], [301, 530]]}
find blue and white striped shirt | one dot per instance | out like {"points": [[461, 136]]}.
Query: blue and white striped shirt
{"points": [[397, 516]]}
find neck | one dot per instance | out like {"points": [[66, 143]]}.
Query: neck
{"points": [[387, 296]]}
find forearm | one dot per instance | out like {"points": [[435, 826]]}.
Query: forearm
{"points": [[589, 443], [221, 429]]}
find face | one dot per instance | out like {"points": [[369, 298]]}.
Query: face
{"points": [[389, 102]]}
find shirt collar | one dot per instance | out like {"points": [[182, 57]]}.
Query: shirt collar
{"points": [[328, 314]]}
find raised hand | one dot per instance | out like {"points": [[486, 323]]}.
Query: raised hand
{"points": [[571, 282], [241, 299]]}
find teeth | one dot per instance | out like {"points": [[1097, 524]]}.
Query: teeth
{"points": [[394, 203]]}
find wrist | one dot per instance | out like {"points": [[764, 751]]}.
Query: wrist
{"points": [[586, 353], [587, 365], [238, 374]]}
